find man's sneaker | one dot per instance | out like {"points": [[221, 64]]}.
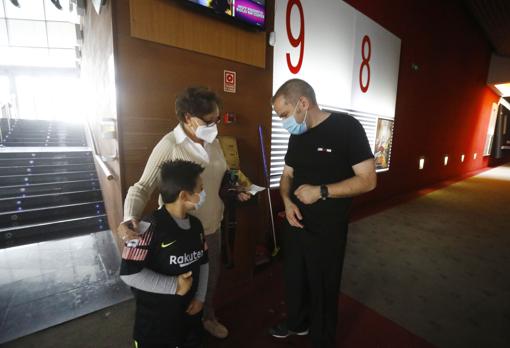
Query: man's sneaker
{"points": [[215, 328], [281, 331]]}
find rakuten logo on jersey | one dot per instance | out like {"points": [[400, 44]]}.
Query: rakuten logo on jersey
{"points": [[186, 259]]}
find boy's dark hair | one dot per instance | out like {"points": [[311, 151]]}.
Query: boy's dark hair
{"points": [[177, 176], [197, 101]]}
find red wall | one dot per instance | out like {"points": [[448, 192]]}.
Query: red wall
{"points": [[444, 107]]}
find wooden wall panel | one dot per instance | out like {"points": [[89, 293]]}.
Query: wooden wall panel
{"points": [[149, 77], [168, 23]]}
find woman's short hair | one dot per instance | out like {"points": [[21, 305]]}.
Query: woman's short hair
{"points": [[196, 101]]}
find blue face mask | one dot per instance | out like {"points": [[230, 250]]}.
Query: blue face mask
{"points": [[292, 126]]}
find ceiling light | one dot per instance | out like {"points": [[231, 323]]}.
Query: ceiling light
{"points": [[504, 89]]}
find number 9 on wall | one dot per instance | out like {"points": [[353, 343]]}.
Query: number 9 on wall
{"points": [[298, 41]]}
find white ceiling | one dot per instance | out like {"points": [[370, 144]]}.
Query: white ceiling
{"points": [[37, 34]]}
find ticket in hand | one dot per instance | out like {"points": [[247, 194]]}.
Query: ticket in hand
{"points": [[143, 226]]}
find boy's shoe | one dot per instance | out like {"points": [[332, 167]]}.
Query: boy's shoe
{"points": [[282, 331], [215, 328]]}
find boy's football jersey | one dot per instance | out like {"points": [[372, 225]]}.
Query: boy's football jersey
{"points": [[166, 248]]}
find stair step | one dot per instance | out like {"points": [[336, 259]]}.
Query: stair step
{"points": [[52, 199], [33, 124], [19, 235], [54, 155], [53, 187], [30, 216], [43, 138], [45, 178], [28, 170], [39, 131], [7, 162], [44, 144], [44, 134]]}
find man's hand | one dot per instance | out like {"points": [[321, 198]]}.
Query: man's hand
{"points": [[184, 282], [128, 230], [194, 307], [308, 194], [243, 196], [293, 215]]}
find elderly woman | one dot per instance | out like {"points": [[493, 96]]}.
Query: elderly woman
{"points": [[194, 139]]}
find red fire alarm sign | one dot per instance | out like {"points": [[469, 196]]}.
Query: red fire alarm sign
{"points": [[229, 81]]}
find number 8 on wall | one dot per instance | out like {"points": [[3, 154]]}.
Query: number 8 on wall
{"points": [[365, 63]]}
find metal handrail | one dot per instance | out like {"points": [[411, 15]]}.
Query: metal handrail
{"points": [[99, 159], [5, 110], [106, 171]]}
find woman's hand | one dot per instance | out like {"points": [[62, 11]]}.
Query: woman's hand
{"points": [[128, 230], [194, 307], [243, 196]]}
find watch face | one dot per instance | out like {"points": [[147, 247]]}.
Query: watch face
{"points": [[324, 191]]}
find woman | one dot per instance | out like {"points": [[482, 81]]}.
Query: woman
{"points": [[194, 139]]}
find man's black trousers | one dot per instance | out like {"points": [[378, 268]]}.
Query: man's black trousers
{"points": [[313, 261]]}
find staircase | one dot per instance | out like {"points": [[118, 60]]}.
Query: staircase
{"points": [[36, 133], [47, 192]]}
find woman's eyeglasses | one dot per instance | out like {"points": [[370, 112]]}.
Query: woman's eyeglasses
{"points": [[212, 123]]}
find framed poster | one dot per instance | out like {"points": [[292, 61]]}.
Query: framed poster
{"points": [[382, 149]]}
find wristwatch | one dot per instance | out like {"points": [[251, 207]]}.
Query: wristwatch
{"points": [[324, 192]]}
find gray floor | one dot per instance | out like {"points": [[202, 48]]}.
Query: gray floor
{"points": [[438, 265], [108, 328], [45, 284]]}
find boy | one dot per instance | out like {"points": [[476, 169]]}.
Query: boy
{"points": [[168, 266]]}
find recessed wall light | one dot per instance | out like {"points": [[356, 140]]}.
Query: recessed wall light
{"points": [[445, 160], [462, 157], [475, 155], [421, 163]]}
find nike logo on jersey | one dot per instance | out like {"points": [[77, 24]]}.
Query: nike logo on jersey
{"points": [[163, 245]]}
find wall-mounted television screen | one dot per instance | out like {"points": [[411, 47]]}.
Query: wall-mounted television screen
{"points": [[250, 12]]}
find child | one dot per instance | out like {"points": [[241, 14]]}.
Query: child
{"points": [[168, 266]]}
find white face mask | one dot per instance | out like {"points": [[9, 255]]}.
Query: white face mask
{"points": [[207, 133], [201, 201]]}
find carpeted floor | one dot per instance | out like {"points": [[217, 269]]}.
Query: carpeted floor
{"points": [[430, 270], [438, 265]]}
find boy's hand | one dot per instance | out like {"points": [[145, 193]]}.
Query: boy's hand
{"points": [[194, 307], [184, 282]]}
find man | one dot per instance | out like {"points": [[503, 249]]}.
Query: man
{"points": [[328, 161]]}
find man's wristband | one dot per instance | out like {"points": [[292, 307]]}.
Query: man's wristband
{"points": [[324, 192]]}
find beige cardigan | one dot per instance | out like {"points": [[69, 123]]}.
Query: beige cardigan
{"points": [[177, 145]]}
